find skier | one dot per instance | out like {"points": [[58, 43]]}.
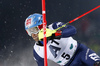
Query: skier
{"points": [[61, 47]]}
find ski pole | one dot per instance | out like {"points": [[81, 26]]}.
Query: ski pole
{"points": [[78, 17]]}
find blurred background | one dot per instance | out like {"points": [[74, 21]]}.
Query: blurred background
{"points": [[16, 47]]}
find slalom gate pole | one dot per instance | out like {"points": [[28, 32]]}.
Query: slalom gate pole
{"points": [[44, 32], [78, 17]]}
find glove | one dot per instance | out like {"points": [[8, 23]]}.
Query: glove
{"points": [[50, 34], [56, 35]]}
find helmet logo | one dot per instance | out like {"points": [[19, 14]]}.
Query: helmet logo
{"points": [[28, 22]]}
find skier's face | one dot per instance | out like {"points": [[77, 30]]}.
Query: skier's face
{"points": [[35, 37]]}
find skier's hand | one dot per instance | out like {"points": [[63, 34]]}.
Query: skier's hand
{"points": [[56, 35], [50, 34]]}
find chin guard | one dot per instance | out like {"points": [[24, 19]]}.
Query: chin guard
{"points": [[49, 33]]}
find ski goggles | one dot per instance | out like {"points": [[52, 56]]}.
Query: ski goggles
{"points": [[33, 30]]}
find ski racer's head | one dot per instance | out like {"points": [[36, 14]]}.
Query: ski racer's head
{"points": [[33, 24]]}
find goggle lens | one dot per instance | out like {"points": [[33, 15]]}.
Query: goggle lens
{"points": [[33, 30]]}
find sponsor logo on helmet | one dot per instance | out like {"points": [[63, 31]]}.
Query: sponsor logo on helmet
{"points": [[28, 22]]}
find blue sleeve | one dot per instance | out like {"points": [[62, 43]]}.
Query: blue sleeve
{"points": [[39, 60], [89, 58], [67, 31]]}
